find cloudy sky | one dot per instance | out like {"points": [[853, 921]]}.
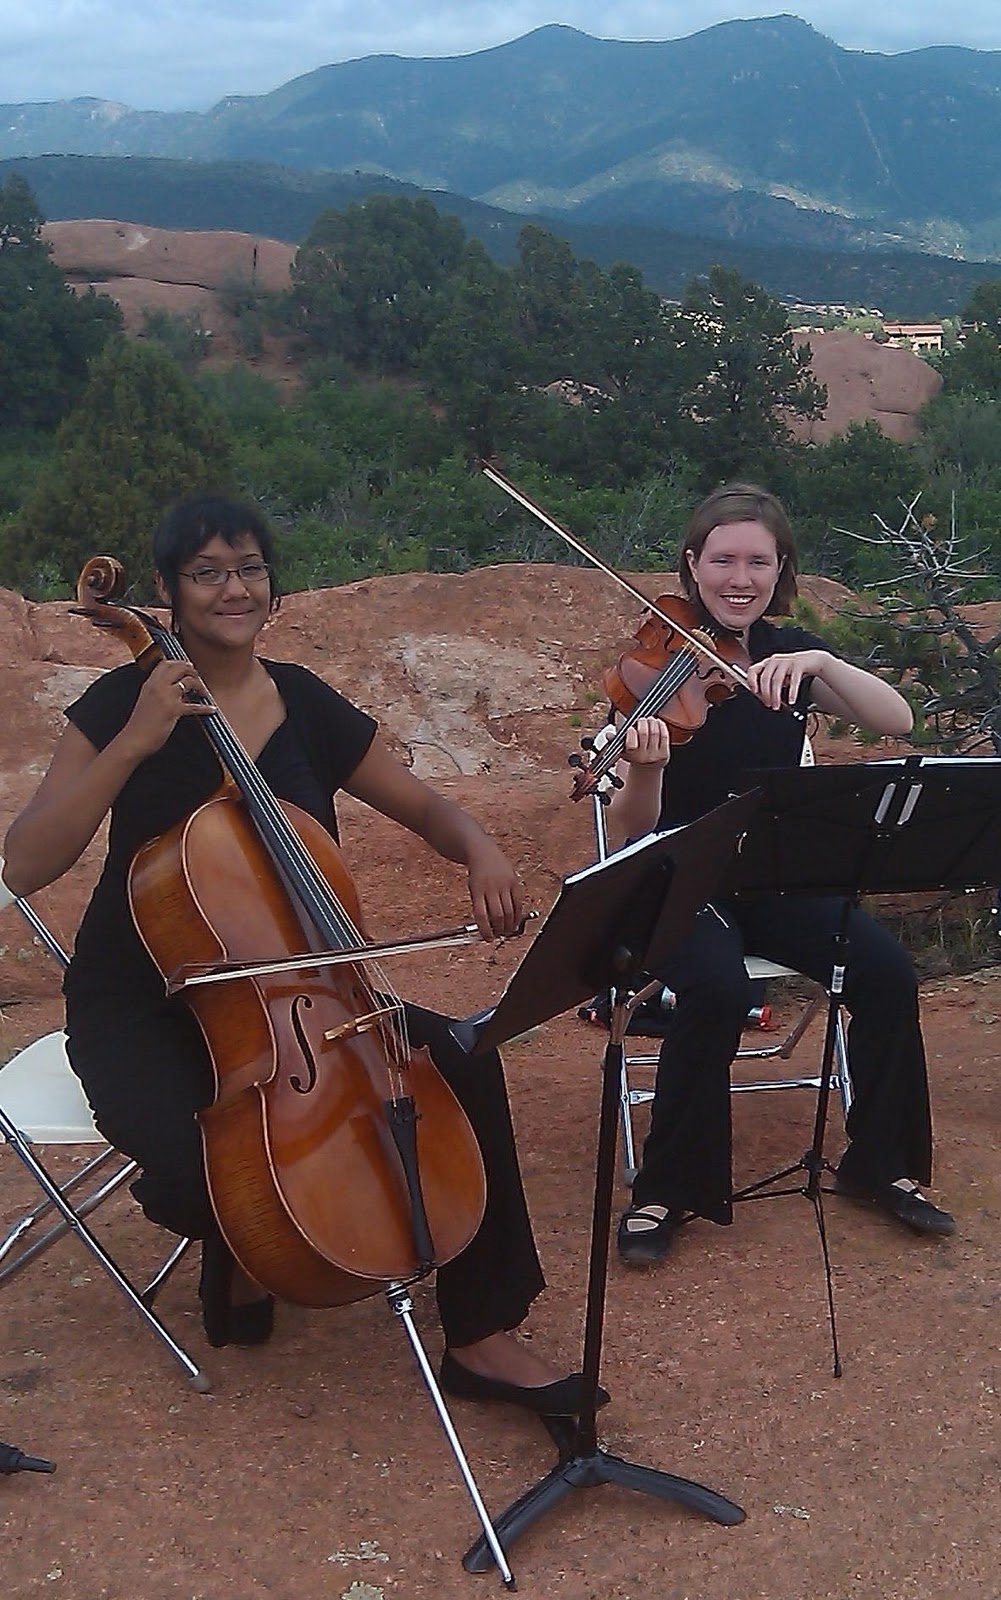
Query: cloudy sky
{"points": [[190, 53]]}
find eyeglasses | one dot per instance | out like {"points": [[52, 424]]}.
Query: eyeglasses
{"points": [[215, 577]]}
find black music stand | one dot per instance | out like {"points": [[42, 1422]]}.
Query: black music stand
{"points": [[613, 923], [884, 827], [14, 1460]]}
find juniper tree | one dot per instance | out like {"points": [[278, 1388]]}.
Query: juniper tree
{"points": [[917, 629]]}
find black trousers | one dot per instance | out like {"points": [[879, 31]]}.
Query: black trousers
{"points": [[687, 1155], [147, 1074]]}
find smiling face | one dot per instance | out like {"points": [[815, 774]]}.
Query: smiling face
{"points": [[226, 615], [735, 573]]}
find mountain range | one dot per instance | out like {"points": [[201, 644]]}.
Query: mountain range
{"points": [[762, 135], [760, 129]]}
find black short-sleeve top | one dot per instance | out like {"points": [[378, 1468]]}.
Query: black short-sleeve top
{"points": [[738, 734], [308, 758]]}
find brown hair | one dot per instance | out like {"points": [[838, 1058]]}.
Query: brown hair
{"points": [[743, 502]]}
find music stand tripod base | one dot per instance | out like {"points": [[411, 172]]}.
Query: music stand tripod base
{"points": [[907, 825], [612, 924], [582, 1472]]}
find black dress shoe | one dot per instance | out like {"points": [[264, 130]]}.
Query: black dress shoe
{"points": [[908, 1206], [644, 1238], [249, 1324], [564, 1398]]}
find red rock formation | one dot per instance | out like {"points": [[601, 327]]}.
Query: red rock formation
{"points": [[866, 382]]}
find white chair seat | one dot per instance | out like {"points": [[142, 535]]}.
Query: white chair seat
{"points": [[41, 1094], [759, 967]]}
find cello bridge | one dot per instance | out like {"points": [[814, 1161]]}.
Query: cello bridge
{"points": [[362, 1024]]}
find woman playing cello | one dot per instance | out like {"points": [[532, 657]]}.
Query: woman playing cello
{"points": [[133, 747], [738, 566]]}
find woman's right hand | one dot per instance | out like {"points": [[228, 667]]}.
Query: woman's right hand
{"points": [[173, 690]]}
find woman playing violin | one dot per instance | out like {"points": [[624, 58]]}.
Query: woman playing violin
{"points": [[738, 565], [133, 747]]}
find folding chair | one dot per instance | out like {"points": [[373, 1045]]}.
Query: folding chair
{"points": [[757, 968], [39, 1084], [41, 1100]]}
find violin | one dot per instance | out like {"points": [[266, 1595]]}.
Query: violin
{"points": [[675, 675], [338, 1159], [680, 667], [666, 676]]}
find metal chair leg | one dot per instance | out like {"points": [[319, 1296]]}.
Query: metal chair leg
{"points": [[629, 1167], [73, 1222], [159, 1278], [630, 1096], [56, 1231]]}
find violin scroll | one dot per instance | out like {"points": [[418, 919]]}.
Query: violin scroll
{"points": [[594, 776]]}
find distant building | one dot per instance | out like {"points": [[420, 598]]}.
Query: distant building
{"points": [[575, 393], [805, 310], [921, 337]]}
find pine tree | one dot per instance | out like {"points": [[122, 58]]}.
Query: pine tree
{"points": [[47, 333], [141, 436]]}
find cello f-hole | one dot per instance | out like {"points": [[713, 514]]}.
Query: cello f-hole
{"points": [[302, 1002]]}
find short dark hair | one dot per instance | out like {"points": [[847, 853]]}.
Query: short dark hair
{"points": [[743, 502], [189, 525]]}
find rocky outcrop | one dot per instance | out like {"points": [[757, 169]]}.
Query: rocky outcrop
{"points": [[866, 382], [101, 251]]}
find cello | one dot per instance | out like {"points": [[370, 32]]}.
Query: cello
{"points": [[338, 1160]]}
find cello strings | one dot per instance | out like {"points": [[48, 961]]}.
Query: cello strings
{"points": [[325, 901], [325, 908]]}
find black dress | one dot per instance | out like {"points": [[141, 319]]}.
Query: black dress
{"points": [[687, 1156], [141, 1057]]}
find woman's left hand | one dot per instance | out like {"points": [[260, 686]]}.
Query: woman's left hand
{"points": [[494, 891], [647, 743], [778, 679]]}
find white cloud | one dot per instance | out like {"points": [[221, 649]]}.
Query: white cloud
{"points": [[183, 53]]}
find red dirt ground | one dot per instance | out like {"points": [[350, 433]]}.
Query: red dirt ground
{"points": [[316, 1466]]}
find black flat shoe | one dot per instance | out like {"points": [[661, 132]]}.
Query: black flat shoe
{"points": [[643, 1238], [564, 1398], [224, 1324], [908, 1206]]}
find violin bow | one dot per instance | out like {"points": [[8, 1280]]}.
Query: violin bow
{"points": [[509, 488]]}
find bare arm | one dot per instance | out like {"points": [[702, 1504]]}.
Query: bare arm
{"points": [[838, 688], [390, 788], [636, 806], [82, 783]]}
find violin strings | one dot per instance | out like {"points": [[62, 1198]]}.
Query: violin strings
{"points": [[658, 694]]}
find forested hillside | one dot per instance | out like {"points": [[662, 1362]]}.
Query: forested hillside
{"points": [[417, 355], [283, 203]]}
